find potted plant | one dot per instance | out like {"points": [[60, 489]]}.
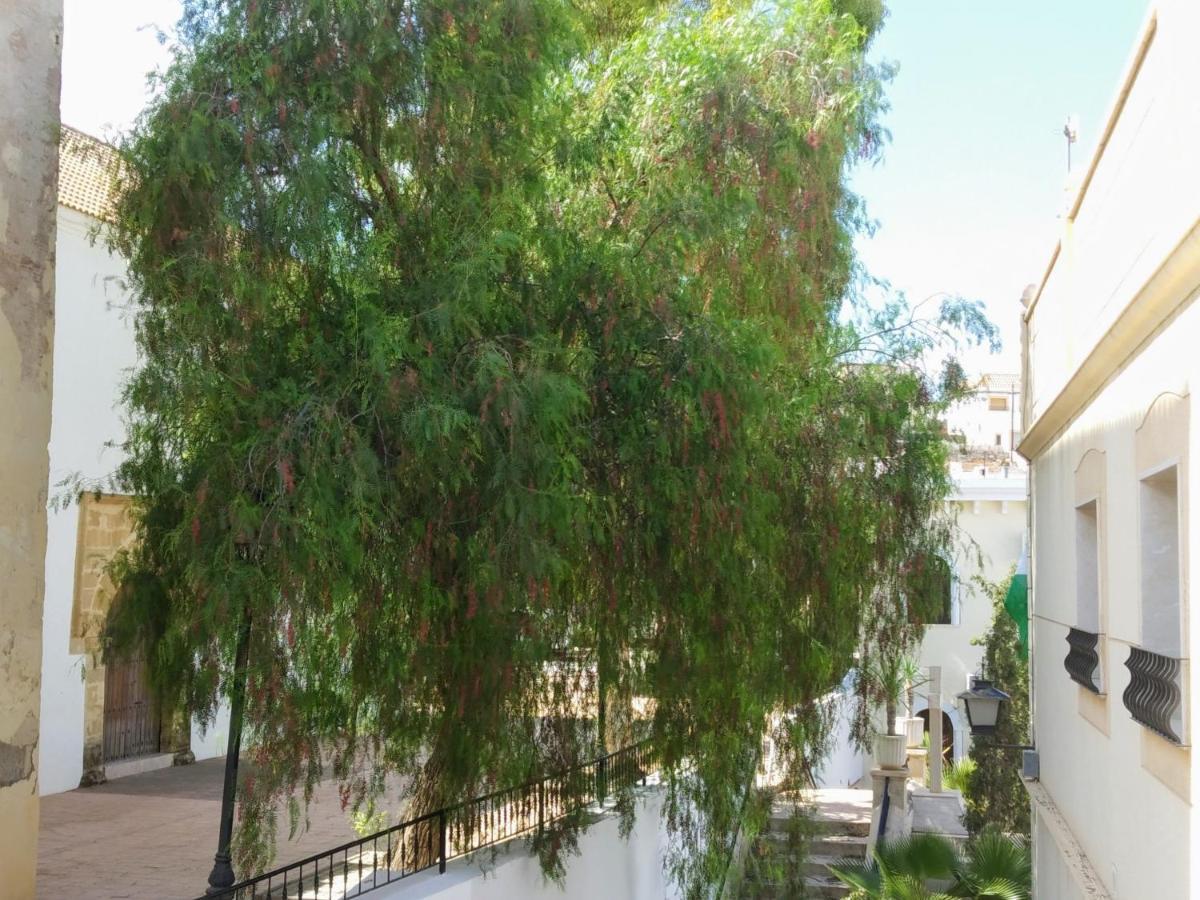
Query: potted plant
{"points": [[887, 683], [913, 727]]}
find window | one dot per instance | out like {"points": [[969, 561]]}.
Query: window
{"points": [[1087, 567], [998, 439], [998, 404], [1159, 507], [937, 606], [1085, 659], [945, 593]]}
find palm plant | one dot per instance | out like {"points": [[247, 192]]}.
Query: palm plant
{"points": [[958, 775], [930, 867]]}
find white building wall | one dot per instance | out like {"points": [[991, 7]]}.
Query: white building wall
{"points": [[845, 765], [991, 514], [94, 350], [1125, 792], [1051, 877], [93, 344], [1114, 325]]}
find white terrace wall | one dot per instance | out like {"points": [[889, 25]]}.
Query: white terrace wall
{"points": [[606, 867]]}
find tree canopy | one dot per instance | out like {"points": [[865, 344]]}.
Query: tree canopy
{"points": [[491, 349]]}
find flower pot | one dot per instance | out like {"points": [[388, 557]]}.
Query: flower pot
{"points": [[890, 751], [912, 728]]}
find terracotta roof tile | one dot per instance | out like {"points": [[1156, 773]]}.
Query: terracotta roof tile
{"points": [[86, 172]]}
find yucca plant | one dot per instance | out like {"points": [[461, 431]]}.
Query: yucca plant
{"points": [[994, 867]]}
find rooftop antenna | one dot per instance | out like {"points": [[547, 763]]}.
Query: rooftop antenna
{"points": [[1071, 133]]}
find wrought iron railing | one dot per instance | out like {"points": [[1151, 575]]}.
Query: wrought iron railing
{"points": [[1083, 659], [435, 839], [1153, 696]]}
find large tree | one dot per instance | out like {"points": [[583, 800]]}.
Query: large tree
{"points": [[494, 348]]}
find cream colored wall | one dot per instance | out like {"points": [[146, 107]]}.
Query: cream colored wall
{"points": [[1113, 327], [1150, 779], [1051, 876], [30, 68], [1141, 200], [992, 529], [1126, 793]]}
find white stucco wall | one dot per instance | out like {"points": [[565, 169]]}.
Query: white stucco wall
{"points": [[1112, 787], [845, 764], [94, 348], [1113, 326], [991, 515], [606, 867], [1051, 876], [94, 345]]}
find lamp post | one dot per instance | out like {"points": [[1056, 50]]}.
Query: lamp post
{"points": [[221, 878], [984, 703]]}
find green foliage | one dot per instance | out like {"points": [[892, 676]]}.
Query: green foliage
{"points": [[994, 794], [958, 774], [488, 346], [993, 867], [884, 680]]}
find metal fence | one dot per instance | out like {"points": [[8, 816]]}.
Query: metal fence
{"points": [[433, 840]]}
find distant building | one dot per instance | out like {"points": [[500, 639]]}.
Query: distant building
{"points": [[988, 501], [96, 722], [986, 426], [1111, 349], [989, 504]]}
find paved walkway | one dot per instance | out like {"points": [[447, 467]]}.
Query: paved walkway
{"points": [[152, 836]]}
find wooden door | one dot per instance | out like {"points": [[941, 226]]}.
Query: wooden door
{"points": [[131, 725]]}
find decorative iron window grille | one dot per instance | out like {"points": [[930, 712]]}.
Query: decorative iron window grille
{"points": [[1153, 696], [1083, 659], [434, 839]]}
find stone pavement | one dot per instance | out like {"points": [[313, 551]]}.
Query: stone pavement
{"points": [[152, 836]]}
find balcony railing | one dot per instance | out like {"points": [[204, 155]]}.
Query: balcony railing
{"points": [[434, 839], [1153, 696], [1083, 659]]}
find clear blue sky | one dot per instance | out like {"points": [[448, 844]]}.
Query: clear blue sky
{"points": [[971, 185], [969, 193]]}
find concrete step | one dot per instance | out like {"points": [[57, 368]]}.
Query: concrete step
{"points": [[780, 821], [839, 845], [815, 886], [819, 865]]}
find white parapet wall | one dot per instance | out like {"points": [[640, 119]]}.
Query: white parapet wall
{"points": [[607, 866]]}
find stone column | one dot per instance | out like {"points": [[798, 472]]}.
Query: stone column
{"points": [[891, 811], [30, 76], [935, 729]]}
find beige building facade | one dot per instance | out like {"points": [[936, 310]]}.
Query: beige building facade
{"points": [[30, 74], [1111, 355]]}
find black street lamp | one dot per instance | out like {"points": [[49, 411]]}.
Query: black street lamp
{"points": [[221, 878], [983, 703]]}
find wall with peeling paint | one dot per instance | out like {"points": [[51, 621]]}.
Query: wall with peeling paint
{"points": [[30, 76]]}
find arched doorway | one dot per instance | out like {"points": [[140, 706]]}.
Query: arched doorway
{"points": [[947, 735]]}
